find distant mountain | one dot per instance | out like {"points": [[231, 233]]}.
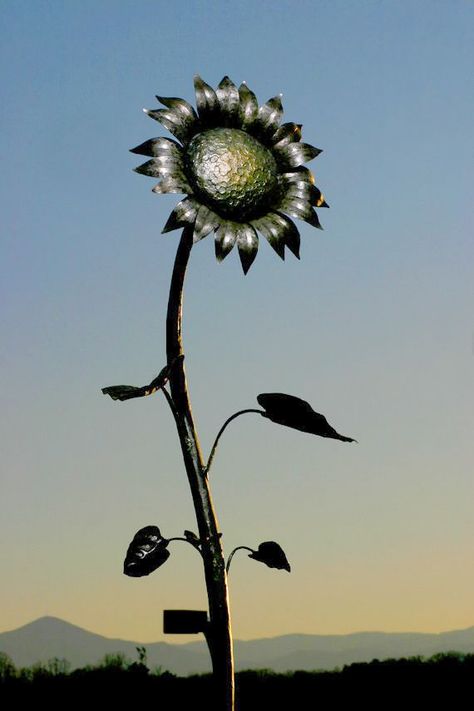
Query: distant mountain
{"points": [[50, 637]]}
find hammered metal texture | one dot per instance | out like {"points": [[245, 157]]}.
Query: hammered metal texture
{"points": [[233, 172]]}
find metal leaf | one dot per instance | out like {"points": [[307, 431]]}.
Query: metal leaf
{"points": [[272, 555], [294, 412], [127, 392], [192, 538], [147, 552]]}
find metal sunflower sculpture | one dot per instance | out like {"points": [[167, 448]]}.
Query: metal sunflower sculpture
{"points": [[241, 169], [243, 173]]}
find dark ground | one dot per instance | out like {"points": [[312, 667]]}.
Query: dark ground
{"points": [[444, 681]]}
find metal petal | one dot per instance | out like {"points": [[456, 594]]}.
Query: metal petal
{"points": [[226, 235], [206, 101], [269, 115], [271, 231], [300, 209], [162, 167], [229, 101], [287, 133], [295, 154], [158, 147], [206, 221], [308, 192], [172, 184], [301, 175], [183, 214], [179, 123], [179, 106], [283, 231], [317, 198], [247, 242], [291, 234], [302, 191], [248, 106]]}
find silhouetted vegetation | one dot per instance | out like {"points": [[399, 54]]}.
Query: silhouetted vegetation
{"points": [[410, 683]]}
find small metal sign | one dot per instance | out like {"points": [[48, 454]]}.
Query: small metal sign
{"points": [[184, 621]]}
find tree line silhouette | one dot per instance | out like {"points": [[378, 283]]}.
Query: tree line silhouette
{"points": [[444, 679]]}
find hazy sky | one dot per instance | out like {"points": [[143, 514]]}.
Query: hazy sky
{"points": [[374, 326]]}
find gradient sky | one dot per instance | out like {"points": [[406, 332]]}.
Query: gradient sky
{"points": [[374, 326]]}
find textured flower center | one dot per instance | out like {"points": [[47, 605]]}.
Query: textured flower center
{"points": [[232, 172]]}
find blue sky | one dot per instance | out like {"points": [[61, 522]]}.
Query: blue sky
{"points": [[373, 326]]}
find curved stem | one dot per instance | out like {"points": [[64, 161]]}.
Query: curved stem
{"points": [[180, 538], [239, 548], [216, 442], [169, 400], [220, 635]]}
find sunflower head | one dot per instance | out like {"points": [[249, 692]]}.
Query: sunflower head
{"points": [[242, 170]]}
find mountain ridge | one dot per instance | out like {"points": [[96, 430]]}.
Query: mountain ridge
{"points": [[48, 637]]}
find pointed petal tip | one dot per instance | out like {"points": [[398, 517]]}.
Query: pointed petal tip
{"points": [[246, 262]]}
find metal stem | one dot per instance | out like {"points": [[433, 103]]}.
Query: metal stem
{"points": [[180, 538], [216, 442], [239, 548], [220, 634]]}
